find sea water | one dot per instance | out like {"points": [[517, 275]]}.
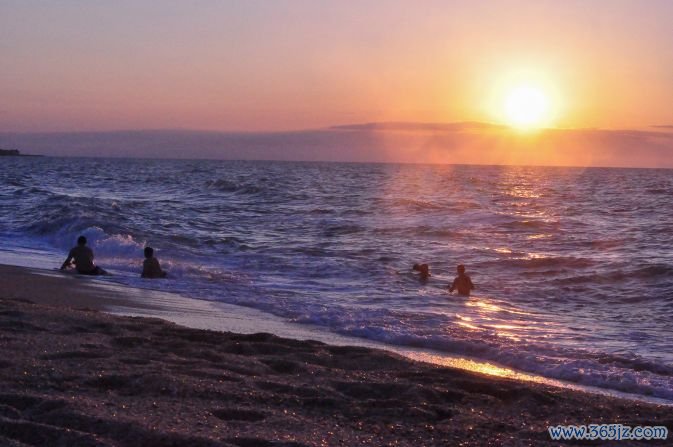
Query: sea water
{"points": [[573, 267]]}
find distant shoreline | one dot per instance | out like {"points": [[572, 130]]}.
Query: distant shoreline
{"points": [[15, 153]]}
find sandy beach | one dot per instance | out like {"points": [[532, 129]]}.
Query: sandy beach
{"points": [[72, 374]]}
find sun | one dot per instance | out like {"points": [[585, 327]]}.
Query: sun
{"points": [[526, 107]]}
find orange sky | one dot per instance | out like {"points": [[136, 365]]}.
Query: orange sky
{"points": [[258, 65]]}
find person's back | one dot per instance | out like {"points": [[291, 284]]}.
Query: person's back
{"points": [[151, 267], [82, 256], [462, 283]]}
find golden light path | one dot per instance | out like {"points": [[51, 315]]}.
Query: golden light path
{"points": [[490, 369]]}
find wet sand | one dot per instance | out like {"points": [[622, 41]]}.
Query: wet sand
{"points": [[71, 374]]}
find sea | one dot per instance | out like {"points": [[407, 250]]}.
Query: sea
{"points": [[573, 267]]}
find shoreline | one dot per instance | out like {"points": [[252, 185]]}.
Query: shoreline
{"points": [[74, 375], [96, 293]]}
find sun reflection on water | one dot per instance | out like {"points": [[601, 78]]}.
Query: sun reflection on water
{"points": [[523, 192], [502, 250], [483, 305], [467, 325], [539, 236], [479, 367]]}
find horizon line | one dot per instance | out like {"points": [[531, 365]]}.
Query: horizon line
{"points": [[410, 163], [372, 126]]}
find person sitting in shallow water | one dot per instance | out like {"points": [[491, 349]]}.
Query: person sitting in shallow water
{"points": [[423, 271], [151, 267], [462, 283], [82, 256]]}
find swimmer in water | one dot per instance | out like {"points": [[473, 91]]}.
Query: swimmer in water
{"points": [[423, 271], [462, 283]]}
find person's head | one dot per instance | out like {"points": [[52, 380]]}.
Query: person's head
{"points": [[424, 269], [81, 240], [149, 252], [461, 269]]}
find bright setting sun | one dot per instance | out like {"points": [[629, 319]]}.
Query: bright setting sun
{"points": [[526, 107]]}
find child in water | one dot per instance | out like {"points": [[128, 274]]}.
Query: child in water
{"points": [[151, 267], [423, 271], [462, 283]]}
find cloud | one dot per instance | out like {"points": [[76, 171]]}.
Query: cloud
{"points": [[421, 127]]}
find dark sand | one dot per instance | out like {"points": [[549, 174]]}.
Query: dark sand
{"points": [[75, 376]]}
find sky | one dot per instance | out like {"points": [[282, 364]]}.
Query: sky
{"points": [[275, 66], [285, 65]]}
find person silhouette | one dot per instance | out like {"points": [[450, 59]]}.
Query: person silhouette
{"points": [[462, 283], [151, 267], [82, 256], [423, 271]]}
